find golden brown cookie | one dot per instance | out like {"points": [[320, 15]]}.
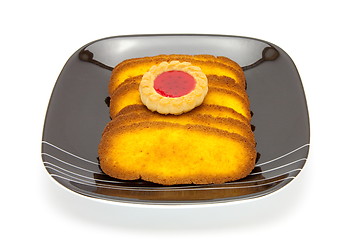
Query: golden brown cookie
{"points": [[170, 153], [226, 124]]}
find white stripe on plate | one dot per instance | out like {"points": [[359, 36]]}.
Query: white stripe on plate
{"points": [[273, 169], [86, 160], [286, 154], [64, 170], [84, 169]]}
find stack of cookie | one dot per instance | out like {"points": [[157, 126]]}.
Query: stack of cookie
{"points": [[211, 143]]}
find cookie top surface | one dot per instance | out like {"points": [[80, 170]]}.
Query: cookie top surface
{"points": [[173, 87]]}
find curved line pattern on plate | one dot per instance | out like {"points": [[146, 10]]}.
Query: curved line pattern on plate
{"points": [[84, 169], [286, 154], [163, 189], [65, 172], [86, 160], [57, 171], [273, 169]]}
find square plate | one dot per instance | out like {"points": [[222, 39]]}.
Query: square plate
{"points": [[77, 114]]}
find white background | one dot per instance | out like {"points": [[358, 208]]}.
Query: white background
{"points": [[322, 37]]}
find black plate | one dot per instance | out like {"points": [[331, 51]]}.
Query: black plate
{"points": [[77, 114]]}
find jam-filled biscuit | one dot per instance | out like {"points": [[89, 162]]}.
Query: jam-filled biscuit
{"points": [[174, 87]]}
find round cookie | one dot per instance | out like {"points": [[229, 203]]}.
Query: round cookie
{"points": [[173, 87]]}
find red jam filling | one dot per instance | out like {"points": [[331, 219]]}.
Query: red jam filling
{"points": [[174, 84]]}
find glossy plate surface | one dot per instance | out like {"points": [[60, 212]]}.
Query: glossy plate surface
{"points": [[77, 114]]}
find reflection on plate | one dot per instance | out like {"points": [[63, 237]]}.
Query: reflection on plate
{"points": [[78, 113]]}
